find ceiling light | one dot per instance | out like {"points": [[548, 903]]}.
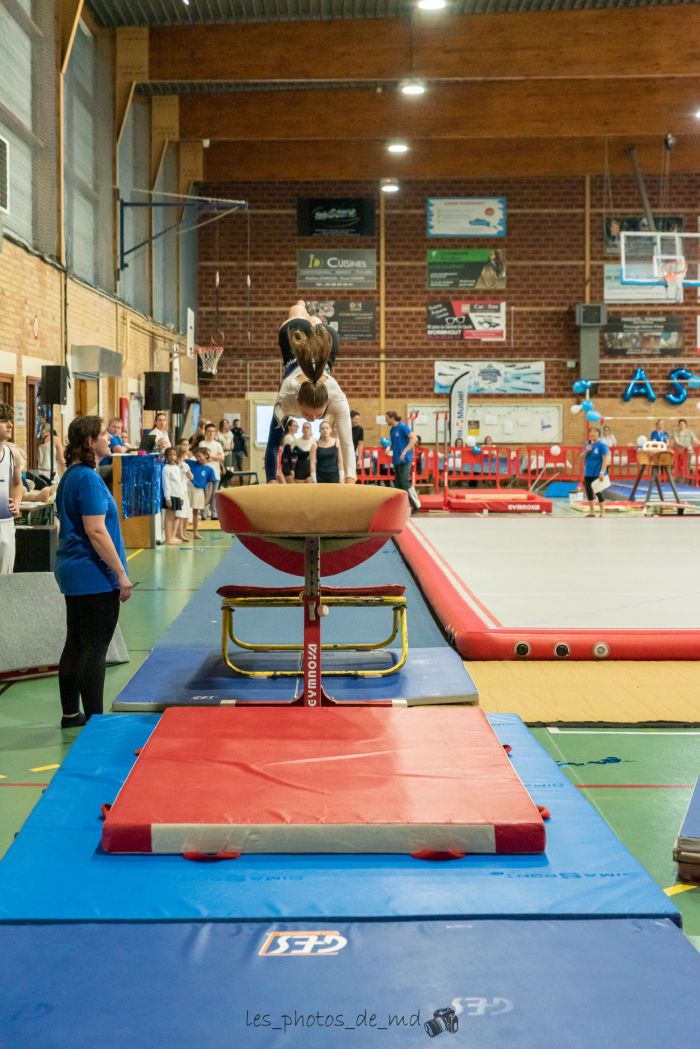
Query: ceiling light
{"points": [[397, 147], [697, 114], [412, 87], [389, 185], [431, 5]]}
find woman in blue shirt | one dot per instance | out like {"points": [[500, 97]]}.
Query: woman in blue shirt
{"points": [[90, 570], [595, 468], [658, 433]]}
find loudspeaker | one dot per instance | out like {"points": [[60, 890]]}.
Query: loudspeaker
{"points": [[178, 405], [157, 391], [35, 548], [54, 384]]}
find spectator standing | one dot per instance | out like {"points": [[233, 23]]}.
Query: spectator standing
{"points": [[403, 441], [90, 570], [301, 449], [289, 459], [182, 516], [224, 436], [216, 462], [358, 435], [203, 479], [174, 492], [10, 491], [595, 467], [659, 433], [240, 447], [609, 437], [49, 437], [326, 463], [684, 439]]}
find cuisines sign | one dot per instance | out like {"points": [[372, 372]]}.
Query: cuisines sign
{"points": [[337, 269]]}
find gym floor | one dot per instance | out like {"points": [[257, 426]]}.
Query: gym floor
{"points": [[639, 779]]}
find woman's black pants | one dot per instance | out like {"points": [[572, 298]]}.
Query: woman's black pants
{"points": [[91, 621]]}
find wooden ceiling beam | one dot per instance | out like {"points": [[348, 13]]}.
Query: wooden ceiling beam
{"points": [[625, 42], [499, 109], [430, 160]]}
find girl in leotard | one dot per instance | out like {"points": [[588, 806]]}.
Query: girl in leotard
{"points": [[301, 448], [308, 389], [326, 465]]}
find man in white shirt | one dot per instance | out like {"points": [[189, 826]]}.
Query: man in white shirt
{"points": [[10, 491], [216, 461]]}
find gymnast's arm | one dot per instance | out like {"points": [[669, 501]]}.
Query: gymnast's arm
{"points": [[339, 408]]}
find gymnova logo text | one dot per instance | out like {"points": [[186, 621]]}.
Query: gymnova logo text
{"points": [[303, 943]]}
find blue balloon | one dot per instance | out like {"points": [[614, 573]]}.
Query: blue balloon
{"points": [[384, 442], [587, 405], [639, 386], [678, 393], [580, 386], [694, 382], [593, 416], [477, 449]]}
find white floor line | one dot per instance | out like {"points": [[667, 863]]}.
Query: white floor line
{"points": [[622, 731]]}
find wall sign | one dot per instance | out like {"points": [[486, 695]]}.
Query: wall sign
{"points": [[336, 216], [455, 319], [643, 336], [354, 320], [466, 216], [466, 268], [509, 377], [341, 268]]}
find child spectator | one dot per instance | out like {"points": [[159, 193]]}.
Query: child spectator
{"points": [[174, 492], [216, 462], [182, 516], [203, 478]]}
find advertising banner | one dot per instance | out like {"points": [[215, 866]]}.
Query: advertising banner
{"points": [[510, 377], [466, 216], [454, 319], [643, 336], [616, 291], [355, 321], [335, 216], [464, 269], [340, 268]]}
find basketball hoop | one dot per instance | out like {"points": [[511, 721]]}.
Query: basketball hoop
{"points": [[209, 358], [673, 270]]}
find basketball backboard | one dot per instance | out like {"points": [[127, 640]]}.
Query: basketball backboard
{"points": [[660, 258]]}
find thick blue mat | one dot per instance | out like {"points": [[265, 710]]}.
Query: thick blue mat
{"points": [[497, 984], [194, 677], [55, 870]]}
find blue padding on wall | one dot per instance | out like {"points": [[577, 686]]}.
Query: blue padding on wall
{"points": [[497, 984], [55, 870], [199, 677]]}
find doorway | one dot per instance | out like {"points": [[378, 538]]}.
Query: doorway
{"points": [[87, 395], [32, 442]]}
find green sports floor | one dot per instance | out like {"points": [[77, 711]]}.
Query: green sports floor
{"points": [[639, 779]]}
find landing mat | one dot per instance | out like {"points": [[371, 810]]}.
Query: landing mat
{"points": [[176, 677], [492, 984], [56, 871]]}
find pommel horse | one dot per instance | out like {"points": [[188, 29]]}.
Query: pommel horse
{"points": [[313, 531]]}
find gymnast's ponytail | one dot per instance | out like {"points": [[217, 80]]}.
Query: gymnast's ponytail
{"points": [[311, 345]]}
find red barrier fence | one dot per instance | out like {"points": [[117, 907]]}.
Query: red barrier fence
{"points": [[500, 466]]}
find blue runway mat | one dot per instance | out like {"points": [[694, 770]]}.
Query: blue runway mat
{"points": [[623, 489], [491, 985], [199, 677], [55, 870]]}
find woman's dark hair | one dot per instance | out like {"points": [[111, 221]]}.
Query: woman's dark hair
{"points": [[80, 432], [683, 421], [394, 415], [288, 425], [221, 424], [311, 345]]}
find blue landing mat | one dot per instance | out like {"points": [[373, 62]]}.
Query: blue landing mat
{"points": [[199, 677], [55, 870], [623, 489], [491, 985], [200, 622]]}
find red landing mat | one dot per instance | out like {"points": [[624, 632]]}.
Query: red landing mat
{"points": [[232, 780], [495, 500]]}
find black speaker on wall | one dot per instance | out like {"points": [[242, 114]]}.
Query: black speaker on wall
{"points": [[54, 384], [157, 389], [178, 404]]}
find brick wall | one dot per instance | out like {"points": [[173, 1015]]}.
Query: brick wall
{"points": [[545, 251], [31, 332]]}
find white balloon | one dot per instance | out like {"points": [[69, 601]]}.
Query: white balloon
{"points": [[555, 449], [641, 440], [470, 442], [576, 408]]}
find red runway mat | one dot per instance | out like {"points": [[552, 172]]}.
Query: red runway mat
{"points": [[232, 780], [495, 500]]}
